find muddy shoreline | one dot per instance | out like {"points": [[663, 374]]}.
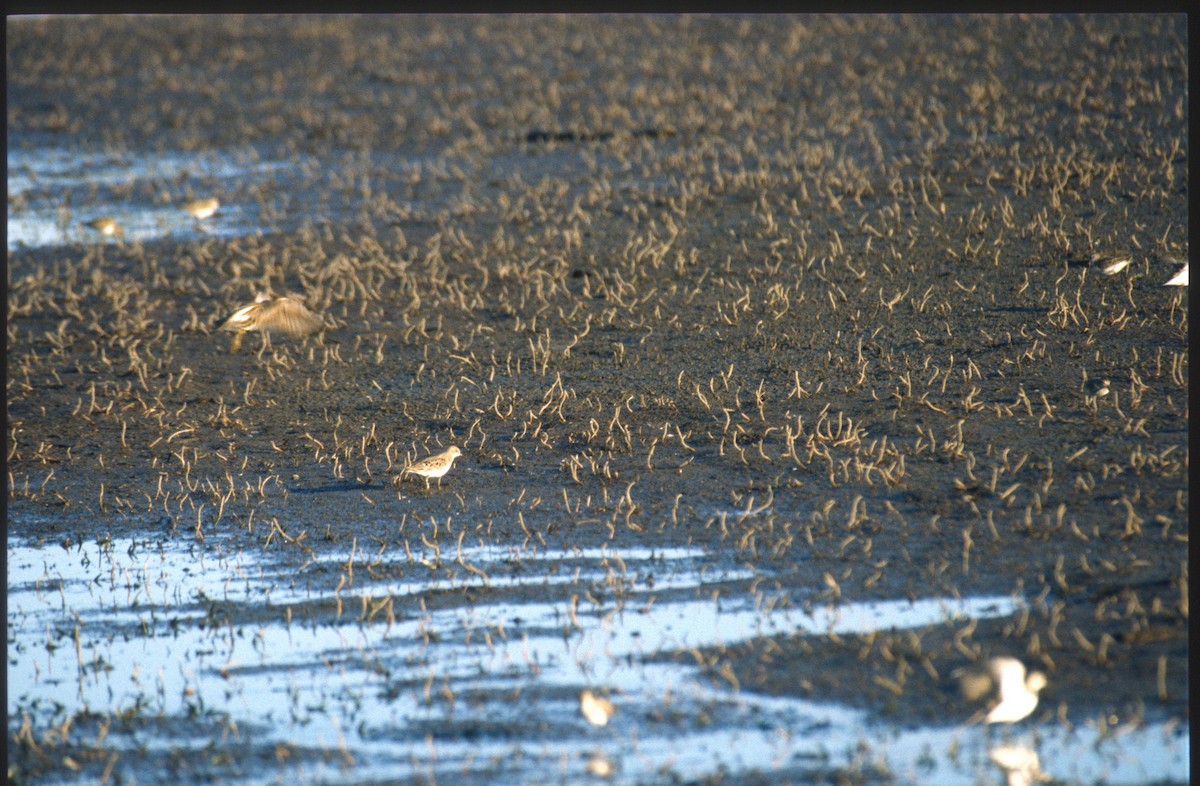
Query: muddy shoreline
{"points": [[827, 319]]}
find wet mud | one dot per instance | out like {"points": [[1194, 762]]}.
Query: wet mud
{"points": [[812, 297]]}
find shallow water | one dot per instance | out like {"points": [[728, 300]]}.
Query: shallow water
{"points": [[139, 610], [781, 211], [54, 191]]}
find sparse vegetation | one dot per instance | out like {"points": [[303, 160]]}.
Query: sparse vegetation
{"points": [[812, 294]]}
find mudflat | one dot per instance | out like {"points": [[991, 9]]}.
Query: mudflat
{"points": [[814, 295]]}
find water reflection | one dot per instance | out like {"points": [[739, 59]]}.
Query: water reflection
{"points": [[55, 195], [1019, 765], [406, 685]]}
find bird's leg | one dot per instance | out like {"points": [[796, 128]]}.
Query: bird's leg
{"points": [[266, 344]]}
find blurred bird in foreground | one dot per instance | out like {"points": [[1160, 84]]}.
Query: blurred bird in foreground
{"points": [[266, 315]]}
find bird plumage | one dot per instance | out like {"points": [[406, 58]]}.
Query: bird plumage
{"points": [[105, 225], [1180, 279], [1111, 264], [282, 314], [1014, 693], [596, 709], [434, 466], [1018, 690], [202, 208]]}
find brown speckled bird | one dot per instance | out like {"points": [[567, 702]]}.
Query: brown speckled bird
{"points": [[434, 466], [266, 315]]}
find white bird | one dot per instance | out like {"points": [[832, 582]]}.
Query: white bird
{"points": [[1018, 691], [1015, 692], [1180, 279], [282, 314], [595, 708]]}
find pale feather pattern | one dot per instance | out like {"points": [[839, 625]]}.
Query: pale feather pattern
{"points": [[202, 208], [281, 314], [1180, 279], [434, 466]]}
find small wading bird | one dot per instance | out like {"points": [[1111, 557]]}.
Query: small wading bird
{"points": [[595, 708], [1015, 692], [1111, 264], [1096, 387], [267, 315], [106, 225], [201, 209], [434, 466]]}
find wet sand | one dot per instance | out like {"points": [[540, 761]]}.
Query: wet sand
{"points": [[812, 294]]}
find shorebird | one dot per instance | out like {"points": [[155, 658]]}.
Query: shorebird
{"points": [[106, 225], [202, 208], [1111, 264], [1180, 279], [1096, 387], [1016, 692], [434, 466], [595, 708], [266, 314]]}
